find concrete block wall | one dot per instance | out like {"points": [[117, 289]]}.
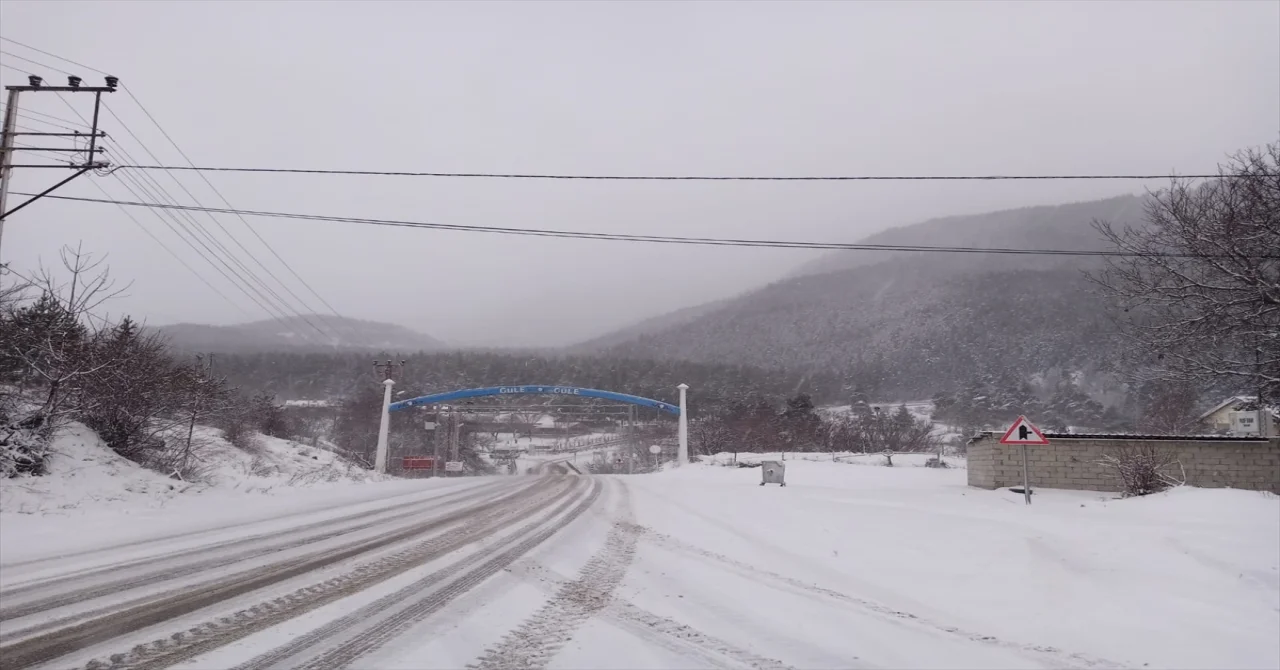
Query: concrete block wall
{"points": [[1071, 462]]}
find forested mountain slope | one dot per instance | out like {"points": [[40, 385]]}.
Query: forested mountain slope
{"points": [[331, 376], [295, 334], [914, 324], [1044, 227]]}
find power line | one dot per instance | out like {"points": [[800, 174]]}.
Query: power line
{"points": [[66, 60], [211, 256], [659, 239], [224, 200], [57, 151], [171, 252], [26, 114], [233, 278], [584, 177], [281, 301], [33, 62], [247, 271], [276, 309], [484, 175], [15, 69], [171, 141], [59, 119], [598, 177]]}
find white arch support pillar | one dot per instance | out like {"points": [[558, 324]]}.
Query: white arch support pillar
{"points": [[682, 456], [384, 428]]}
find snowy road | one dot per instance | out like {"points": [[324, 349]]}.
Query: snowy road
{"points": [[159, 603], [849, 567]]}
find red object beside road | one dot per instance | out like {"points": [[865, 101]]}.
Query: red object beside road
{"points": [[417, 462]]}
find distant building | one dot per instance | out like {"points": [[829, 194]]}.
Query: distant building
{"points": [[1238, 416]]}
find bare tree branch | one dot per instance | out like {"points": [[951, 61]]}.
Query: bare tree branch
{"points": [[1199, 298]]}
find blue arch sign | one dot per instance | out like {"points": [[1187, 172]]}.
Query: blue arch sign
{"points": [[535, 389]]}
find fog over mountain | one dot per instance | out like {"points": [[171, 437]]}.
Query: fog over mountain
{"points": [[298, 334], [915, 323], [594, 89]]}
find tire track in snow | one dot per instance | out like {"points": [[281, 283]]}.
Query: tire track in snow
{"points": [[168, 537], [681, 639], [87, 624], [293, 539], [150, 611], [539, 638], [1057, 656], [474, 569], [533, 644], [215, 633]]}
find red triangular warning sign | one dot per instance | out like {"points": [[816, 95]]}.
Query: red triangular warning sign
{"points": [[1023, 432]]}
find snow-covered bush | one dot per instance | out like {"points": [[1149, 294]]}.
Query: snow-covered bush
{"points": [[1144, 469], [22, 452], [237, 431]]}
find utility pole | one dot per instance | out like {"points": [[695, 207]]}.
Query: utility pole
{"points": [[7, 147], [435, 441], [384, 427], [455, 435], [682, 431], [631, 441]]}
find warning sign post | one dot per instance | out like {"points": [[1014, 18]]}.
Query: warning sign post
{"points": [[1023, 432]]}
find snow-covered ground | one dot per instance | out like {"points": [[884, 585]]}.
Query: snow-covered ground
{"points": [[116, 497], [1186, 579], [851, 565]]}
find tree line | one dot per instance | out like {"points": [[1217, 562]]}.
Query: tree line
{"points": [[759, 425], [60, 362], [338, 375]]}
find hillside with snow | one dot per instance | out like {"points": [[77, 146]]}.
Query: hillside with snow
{"points": [[315, 332], [84, 475], [910, 324]]}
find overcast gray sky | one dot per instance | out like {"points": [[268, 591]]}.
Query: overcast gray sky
{"points": [[612, 87]]}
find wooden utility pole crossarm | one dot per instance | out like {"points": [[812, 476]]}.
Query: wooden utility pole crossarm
{"points": [[10, 131]]}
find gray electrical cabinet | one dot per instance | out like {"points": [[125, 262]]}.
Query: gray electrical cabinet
{"points": [[773, 472]]}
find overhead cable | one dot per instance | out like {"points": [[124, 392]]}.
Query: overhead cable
{"points": [[657, 239]]}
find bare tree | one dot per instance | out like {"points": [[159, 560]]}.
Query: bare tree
{"points": [[526, 420], [710, 436], [53, 338], [1168, 407], [1145, 469], [1198, 289], [842, 433], [135, 399], [899, 432]]}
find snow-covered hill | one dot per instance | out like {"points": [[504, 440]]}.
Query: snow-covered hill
{"points": [[84, 474], [298, 334], [907, 323]]}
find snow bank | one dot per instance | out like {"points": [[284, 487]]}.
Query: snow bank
{"points": [[273, 462], [1186, 579], [88, 480], [84, 473], [92, 497]]}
